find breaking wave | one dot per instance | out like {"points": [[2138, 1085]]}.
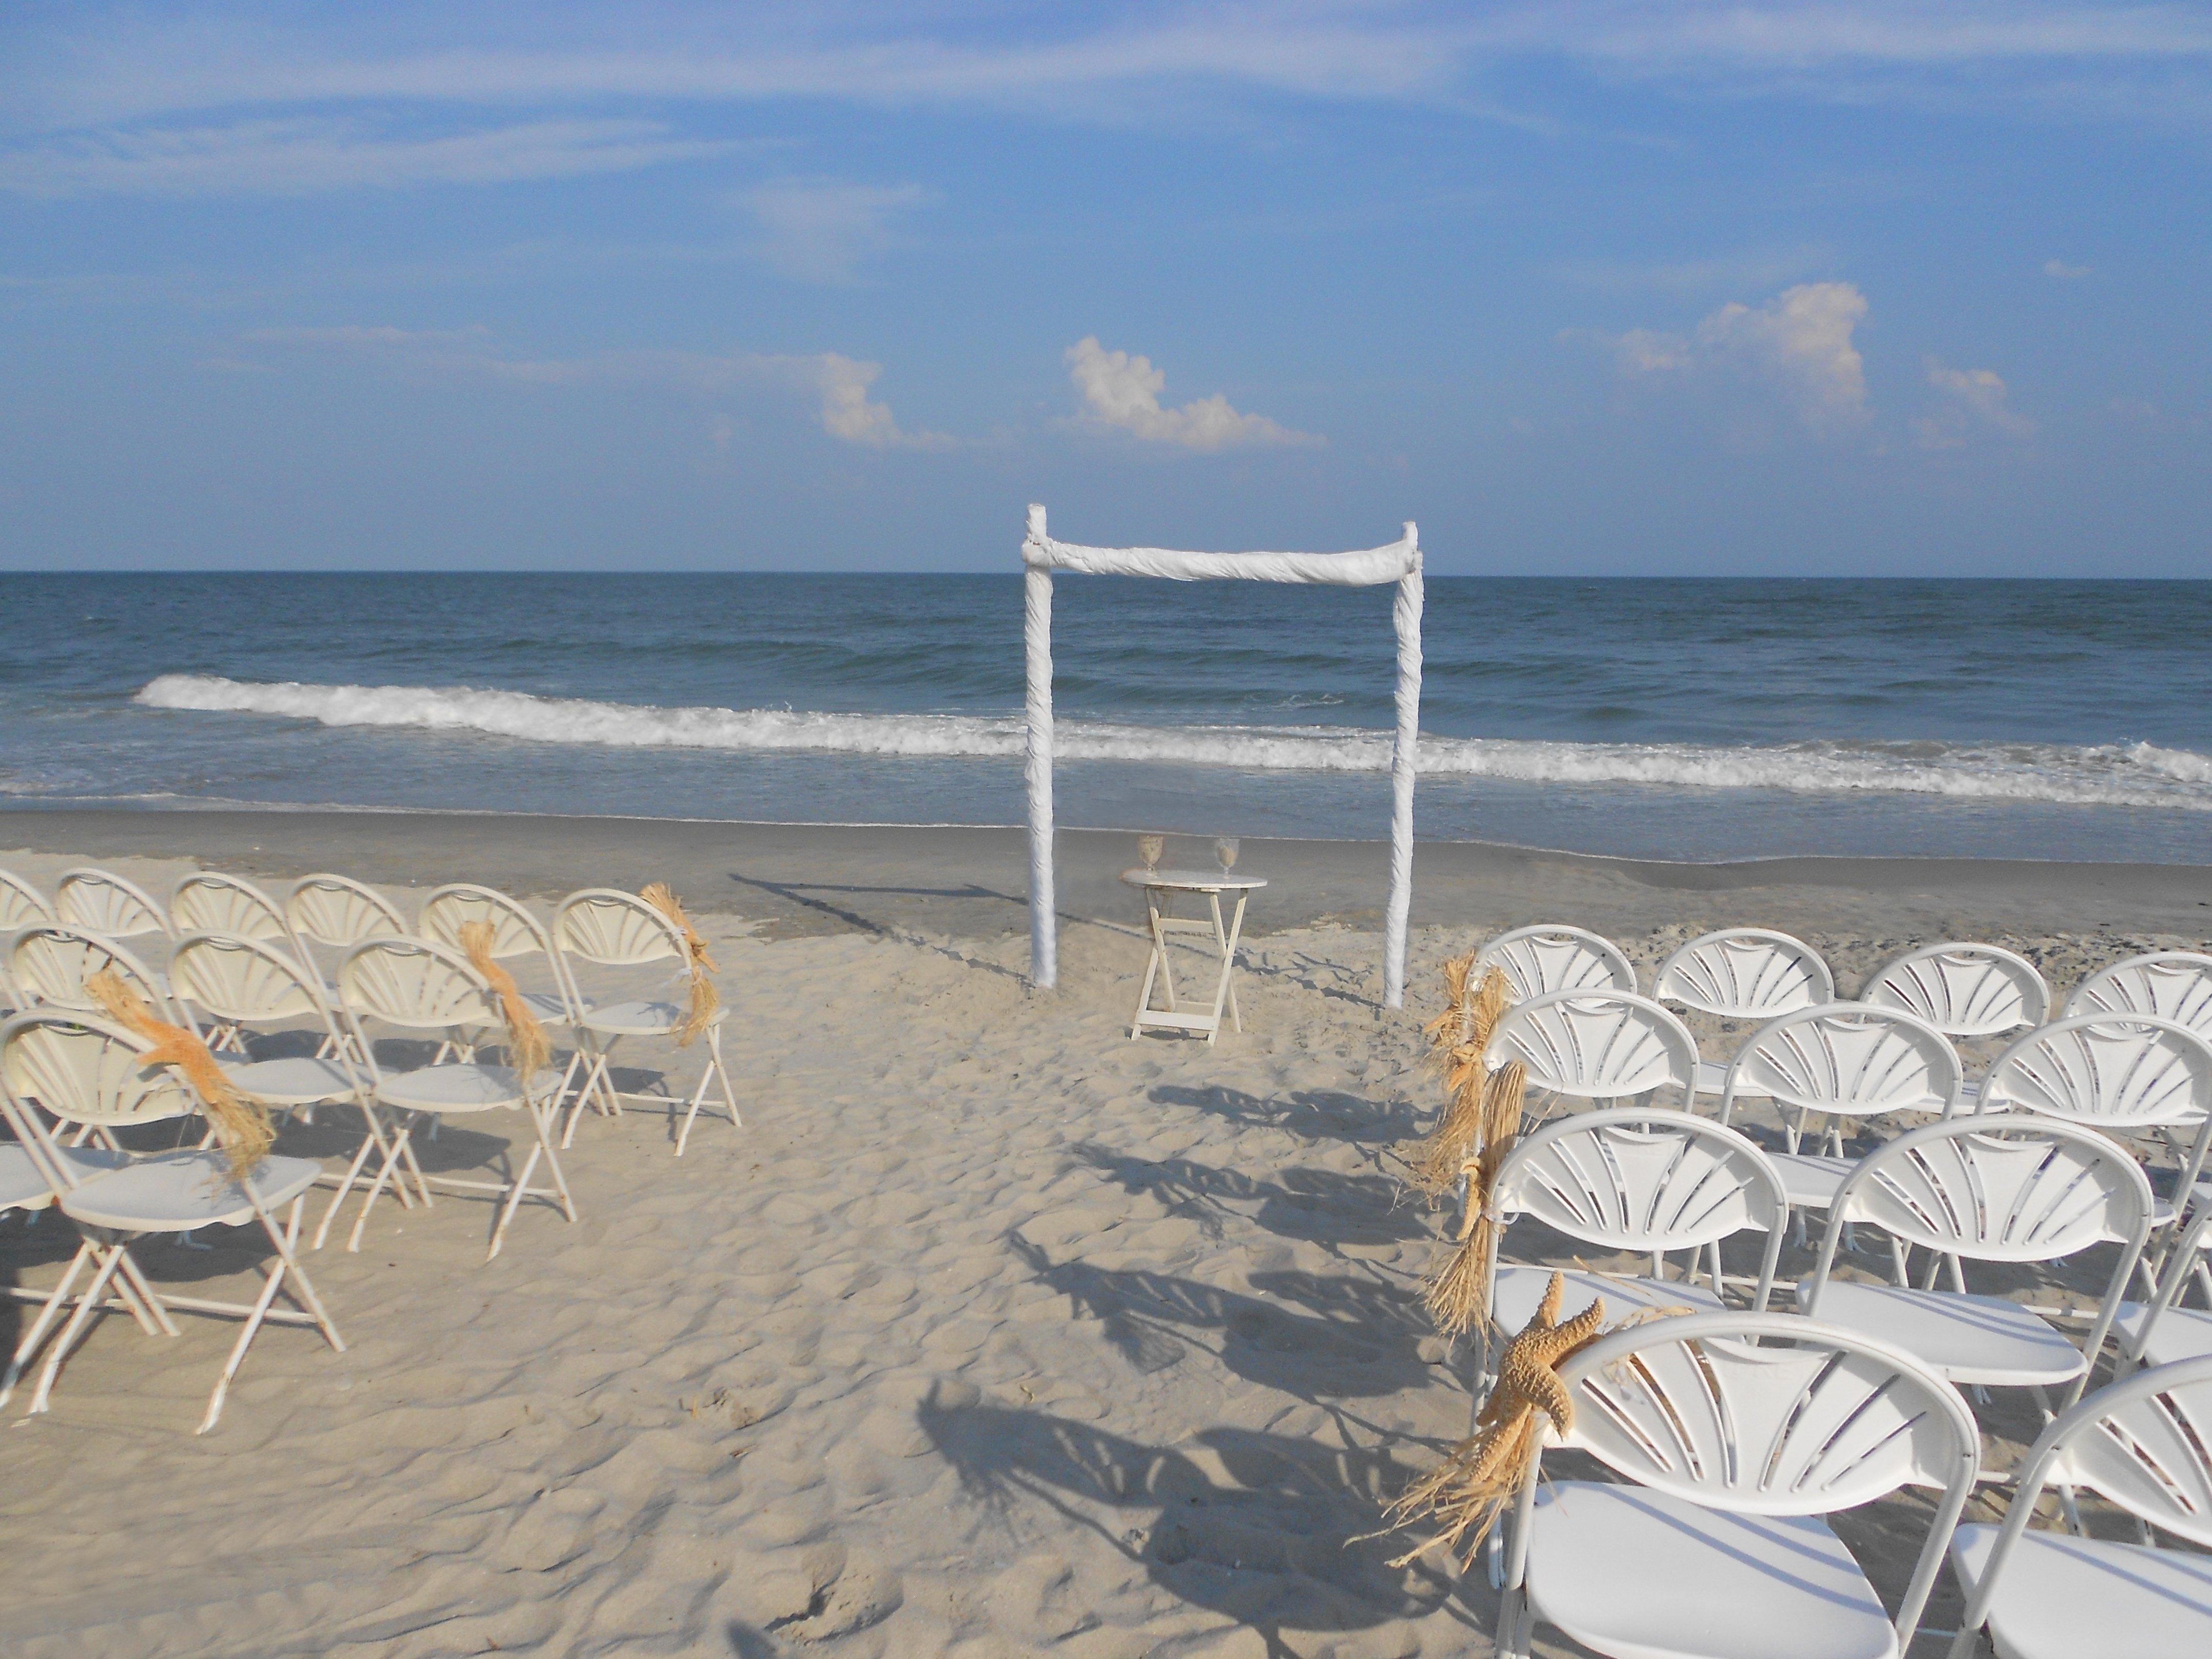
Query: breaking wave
{"points": [[2105, 774]]}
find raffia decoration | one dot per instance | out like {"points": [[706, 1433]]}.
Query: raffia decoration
{"points": [[705, 999], [528, 1049], [241, 1125], [1459, 1038], [1457, 1296], [1480, 1477]]}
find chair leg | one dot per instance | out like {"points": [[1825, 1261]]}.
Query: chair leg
{"points": [[111, 1261], [345, 1188], [399, 1145], [285, 1242], [48, 1312], [713, 1072]]}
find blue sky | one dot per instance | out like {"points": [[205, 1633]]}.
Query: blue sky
{"points": [[1603, 287]]}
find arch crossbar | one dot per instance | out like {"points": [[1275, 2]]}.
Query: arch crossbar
{"points": [[1399, 563]]}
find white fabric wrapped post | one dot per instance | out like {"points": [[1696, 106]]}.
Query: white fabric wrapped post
{"points": [[1399, 563]]}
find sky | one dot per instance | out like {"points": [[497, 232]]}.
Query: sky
{"points": [[1605, 287]]}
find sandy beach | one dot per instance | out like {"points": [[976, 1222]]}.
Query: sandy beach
{"points": [[991, 1331]]}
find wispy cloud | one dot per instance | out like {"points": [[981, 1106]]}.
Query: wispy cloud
{"points": [[1799, 344], [1123, 393], [1972, 400], [837, 387], [823, 230], [2059, 271]]}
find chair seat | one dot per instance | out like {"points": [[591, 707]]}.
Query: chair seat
{"points": [[549, 1008], [460, 1087], [1810, 1180], [637, 1018], [2062, 1597], [1969, 1339], [22, 1186], [1712, 1080], [1521, 1289], [175, 1191], [296, 1080], [2180, 1332], [1643, 1575]]}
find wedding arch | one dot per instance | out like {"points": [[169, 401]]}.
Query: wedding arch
{"points": [[1399, 563]]}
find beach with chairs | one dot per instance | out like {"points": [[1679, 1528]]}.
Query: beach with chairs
{"points": [[905, 1309]]}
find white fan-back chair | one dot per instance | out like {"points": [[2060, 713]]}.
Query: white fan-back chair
{"points": [[107, 903], [2174, 985], [209, 902], [608, 927], [1552, 957], [1839, 1059], [1742, 973], [1634, 1180], [2162, 1330], [84, 1069], [1962, 990], [339, 912], [21, 903], [2144, 1445], [50, 961], [515, 933], [1597, 1045], [1737, 1432], [424, 989], [2000, 1186], [248, 982]]}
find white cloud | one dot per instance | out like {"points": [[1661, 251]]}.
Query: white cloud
{"points": [[821, 230], [836, 386], [1800, 344], [1973, 399], [2059, 270], [1123, 391]]}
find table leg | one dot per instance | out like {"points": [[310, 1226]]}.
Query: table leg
{"points": [[1160, 943], [1224, 991], [1151, 964]]}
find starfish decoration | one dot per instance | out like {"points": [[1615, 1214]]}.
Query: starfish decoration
{"points": [[1526, 1376]]}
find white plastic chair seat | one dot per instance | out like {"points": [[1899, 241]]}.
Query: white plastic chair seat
{"points": [[1712, 1079], [2180, 1332], [22, 1186], [549, 1008], [1641, 1575], [460, 1087], [175, 1191], [637, 1018], [1520, 1290], [296, 1080], [2062, 1597], [1811, 1178], [1968, 1339]]}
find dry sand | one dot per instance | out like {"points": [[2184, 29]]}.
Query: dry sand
{"points": [[990, 1332]]}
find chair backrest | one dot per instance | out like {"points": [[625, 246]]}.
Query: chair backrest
{"points": [[247, 980], [1962, 990], [1745, 973], [1770, 1414], [338, 910], [84, 1068], [51, 962], [1598, 1045], [2174, 985], [614, 928], [2118, 1073], [21, 903], [107, 903], [415, 984], [515, 931], [209, 902], [1553, 956], [1847, 1058], [1632, 1179]]}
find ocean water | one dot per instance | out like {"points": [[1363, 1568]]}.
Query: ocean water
{"points": [[1679, 719]]}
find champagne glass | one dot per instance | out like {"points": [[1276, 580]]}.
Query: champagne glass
{"points": [[1149, 848], [1225, 849]]}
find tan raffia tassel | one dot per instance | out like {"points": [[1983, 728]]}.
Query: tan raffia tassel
{"points": [[241, 1126], [1457, 1298], [1482, 1475], [705, 999], [528, 1049], [1461, 1038]]}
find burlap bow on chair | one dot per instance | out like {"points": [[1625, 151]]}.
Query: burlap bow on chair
{"points": [[241, 1125], [705, 999]]}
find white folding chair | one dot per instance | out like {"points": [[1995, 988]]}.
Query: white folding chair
{"points": [[83, 1068], [1597, 1045], [21, 903], [107, 903], [250, 982], [1634, 1180], [1552, 957], [49, 963], [514, 933], [2144, 1445], [611, 928], [339, 912], [209, 902], [1743, 973], [1998, 1187], [1963, 991], [2174, 985], [1737, 1433], [2161, 1331], [1840, 1060], [413, 986]]}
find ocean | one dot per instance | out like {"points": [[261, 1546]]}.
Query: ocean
{"points": [[1698, 719]]}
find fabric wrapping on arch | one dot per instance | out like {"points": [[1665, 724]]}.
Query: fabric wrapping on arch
{"points": [[1398, 562]]}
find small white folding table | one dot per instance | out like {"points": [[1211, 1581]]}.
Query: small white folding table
{"points": [[1161, 887]]}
